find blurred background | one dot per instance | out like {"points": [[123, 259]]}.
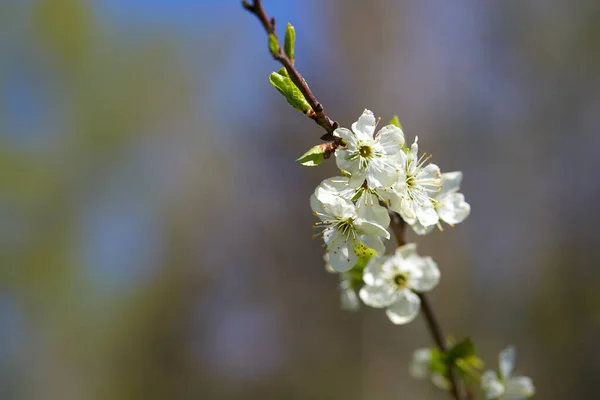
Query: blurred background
{"points": [[155, 231]]}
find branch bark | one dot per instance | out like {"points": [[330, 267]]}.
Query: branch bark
{"points": [[399, 228], [318, 114]]}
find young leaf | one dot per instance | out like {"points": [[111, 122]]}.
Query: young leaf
{"points": [[273, 44], [312, 157], [396, 121], [290, 41], [463, 349], [288, 89]]}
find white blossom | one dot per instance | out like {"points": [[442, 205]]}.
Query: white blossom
{"points": [[349, 300], [417, 186], [366, 199], [348, 297], [449, 204], [345, 233], [370, 157], [503, 385], [390, 281]]}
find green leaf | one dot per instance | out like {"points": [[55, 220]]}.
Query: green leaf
{"points": [[438, 362], [273, 44], [288, 89], [283, 72], [396, 121], [312, 157], [463, 349], [290, 41]]}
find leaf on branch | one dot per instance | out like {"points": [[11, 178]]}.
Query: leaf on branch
{"points": [[396, 121], [290, 42], [313, 157], [463, 349], [290, 91], [273, 44]]}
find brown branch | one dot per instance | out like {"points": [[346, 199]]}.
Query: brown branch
{"points": [[399, 228], [318, 114]]}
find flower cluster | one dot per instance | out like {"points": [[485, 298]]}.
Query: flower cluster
{"points": [[381, 174]]}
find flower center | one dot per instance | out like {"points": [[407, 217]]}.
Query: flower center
{"points": [[400, 280], [365, 151], [345, 227]]}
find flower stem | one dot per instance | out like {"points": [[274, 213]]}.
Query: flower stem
{"points": [[318, 114], [399, 228]]}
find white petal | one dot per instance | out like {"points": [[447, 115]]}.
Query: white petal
{"points": [[453, 208], [426, 214], [343, 162], [407, 250], [382, 172], [431, 171], [420, 229], [334, 187], [318, 208], [378, 296], [369, 209], [419, 368], [373, 242], [451, 181], [405, 309], [391, 139], [365, 126], [430, 274], [491, 385], [373, 272], [357, 178], [347, 135], [519, 387], [341, 255], [507, 361], [407, 210], [348, 298], [365, 227]]}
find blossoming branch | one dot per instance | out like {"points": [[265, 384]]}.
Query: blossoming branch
{"points": [[384, 185]]}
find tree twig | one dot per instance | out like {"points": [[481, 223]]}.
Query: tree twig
{"points": [[318, 114], [399, 228], [397, 224]]}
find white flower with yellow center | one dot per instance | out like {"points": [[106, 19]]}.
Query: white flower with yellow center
{"points": [[449, 204], [366, 199], [369, 156], [391, 281], [346, 234], [504, 386], [417, 186]]}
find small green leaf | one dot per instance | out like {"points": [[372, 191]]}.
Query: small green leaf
{"points": [[290, 41], [273, 44], [463, 349], [396, 121], [288, 89], [312, 157], [283, 72]]}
